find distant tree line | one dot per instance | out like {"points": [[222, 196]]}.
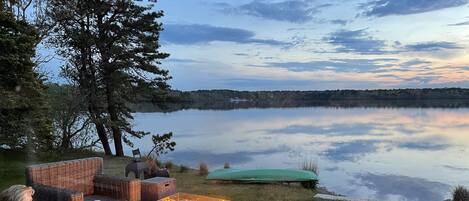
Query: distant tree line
{"points": [[231, 99]]}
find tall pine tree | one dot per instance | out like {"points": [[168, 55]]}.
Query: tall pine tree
{"points": [[23, 112], [120, 41]]}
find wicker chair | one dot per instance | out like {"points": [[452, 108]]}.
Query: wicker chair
{"points": [[79, 180]]}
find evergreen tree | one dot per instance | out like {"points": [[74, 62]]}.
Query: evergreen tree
{"points": [[23, 111], [118, 40], [72, 36]]}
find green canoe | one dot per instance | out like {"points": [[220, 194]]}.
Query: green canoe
{"points": [[263, 175]]}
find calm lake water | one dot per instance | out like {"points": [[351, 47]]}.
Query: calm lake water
{"points": [[377, 153]]}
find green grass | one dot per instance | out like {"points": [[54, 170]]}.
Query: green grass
{"points": [[12, 166]]}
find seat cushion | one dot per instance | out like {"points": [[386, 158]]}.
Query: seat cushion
{"points": [[99, 197]]}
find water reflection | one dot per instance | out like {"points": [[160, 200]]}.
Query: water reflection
{"points": [[218, 159], [334, 129], [362, 152], [403, 188], [351, 151]]}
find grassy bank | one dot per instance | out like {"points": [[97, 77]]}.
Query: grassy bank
{"points": [[12, 166]]}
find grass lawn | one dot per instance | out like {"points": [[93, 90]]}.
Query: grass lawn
{"points": [[12, 172]]}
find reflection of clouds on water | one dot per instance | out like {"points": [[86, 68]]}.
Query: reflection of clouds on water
{"points": [[330, 169], [386, 141], [403, 129], [354, 150], [433, 143], [423, 146], [351, 151], [333, 129], [408, 188], [456, 168], [217, 159]]}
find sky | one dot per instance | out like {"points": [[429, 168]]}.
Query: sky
{"points": [[313, 44]]}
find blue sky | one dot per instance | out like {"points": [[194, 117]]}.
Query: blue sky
{"points": [[313, 44]]}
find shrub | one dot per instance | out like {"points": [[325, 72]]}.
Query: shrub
{"points": [[227, 165], [168, 165], [460, 194], [159, 163], [183, 168], [152, 164], [203, 169]]}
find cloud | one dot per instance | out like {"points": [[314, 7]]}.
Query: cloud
{"points": [[408, 188], [262, 83], [338, 65], [176, 60], [414, 62], [460, 24], [382, 8], [189, 34], [294, 11], [357, 41], [351, 151], [432, 46]]}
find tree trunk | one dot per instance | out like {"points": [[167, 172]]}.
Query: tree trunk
{"points": [[116, 132], [103, 138], [97, 121], [118, 141], [65, 140]]}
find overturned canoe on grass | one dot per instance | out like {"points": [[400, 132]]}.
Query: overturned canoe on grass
{"points": [[307, 178]]}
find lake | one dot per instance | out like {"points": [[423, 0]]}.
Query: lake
{"points": [[378, 153]]}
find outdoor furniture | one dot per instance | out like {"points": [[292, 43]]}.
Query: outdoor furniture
{"points": [[79, 180], [137, 168], [137, 157], [190, 197], [157, 173], [157, 188]]}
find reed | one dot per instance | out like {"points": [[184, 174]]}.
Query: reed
{"points": [[311, 166], [460, 193], [203, 169], [183, 168]]}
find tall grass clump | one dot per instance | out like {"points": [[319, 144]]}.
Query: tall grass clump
{"points": [[168, 165], [460, 193], [183, 168], [226, 166], [203, 169], [152, 164], [311, 166]]}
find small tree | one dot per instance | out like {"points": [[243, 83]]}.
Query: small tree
{"points": [[71, 121], [162, 144]]}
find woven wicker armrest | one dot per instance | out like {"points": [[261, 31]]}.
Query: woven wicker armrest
{"points": [[117, 187], [49, 193]]}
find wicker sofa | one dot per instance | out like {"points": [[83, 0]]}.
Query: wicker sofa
{"points": [[79, 180]]}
